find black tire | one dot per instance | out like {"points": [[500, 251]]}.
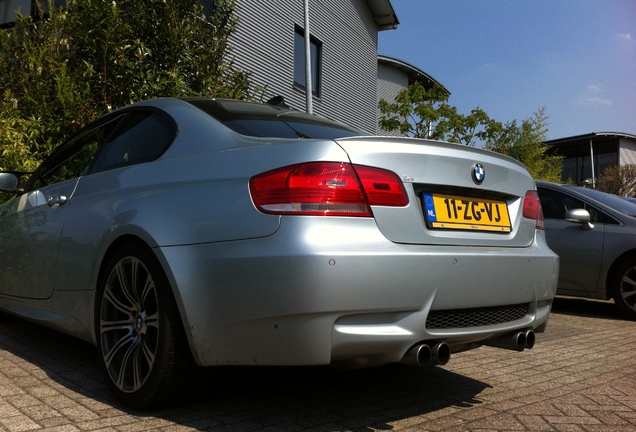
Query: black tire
{"points": [[623, 286], [142, 348]]}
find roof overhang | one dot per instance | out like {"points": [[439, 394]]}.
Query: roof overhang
{"points": [[594, 136], [414, 74], [383, 14]]}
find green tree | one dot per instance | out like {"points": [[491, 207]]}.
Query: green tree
{"points": [[525, 143], [425, 113], [75, 64]]}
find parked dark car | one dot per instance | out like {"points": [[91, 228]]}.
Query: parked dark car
{"points": [[594, 234]]}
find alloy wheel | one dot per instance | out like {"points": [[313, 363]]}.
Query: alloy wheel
{"points": [[129, 324], [628, 288]]}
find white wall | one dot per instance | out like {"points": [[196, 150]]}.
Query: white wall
{"points": [[627, 151]]}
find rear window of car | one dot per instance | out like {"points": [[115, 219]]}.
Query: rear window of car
{"points": [[263, 120]]}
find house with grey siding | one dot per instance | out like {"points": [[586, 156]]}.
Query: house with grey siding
{"points": [[269, 42]]}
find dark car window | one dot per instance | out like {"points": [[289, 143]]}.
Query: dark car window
{"points": [[262, 128], [263, 120], [554, 205], [122, 139], [73, 158], [319, 130], [141, 136]]}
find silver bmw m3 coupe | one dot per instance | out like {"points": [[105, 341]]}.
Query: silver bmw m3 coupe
{"points": [[181, 232]]}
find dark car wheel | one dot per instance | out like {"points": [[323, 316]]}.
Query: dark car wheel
{"points": [[142, 348], [623, 286]]}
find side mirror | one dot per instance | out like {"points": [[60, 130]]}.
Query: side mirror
{"points": [[580, 216], [9, 181]]}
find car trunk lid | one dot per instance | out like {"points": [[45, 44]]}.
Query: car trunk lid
{"points": [[459, 195]]}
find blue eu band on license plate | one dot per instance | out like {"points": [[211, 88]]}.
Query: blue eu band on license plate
{"points": [[465, 213]]}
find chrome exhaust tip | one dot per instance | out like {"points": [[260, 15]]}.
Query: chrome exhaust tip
{"points": [[419, 355], [441, 353], [426, 355], [530, 339], [516, 341]]}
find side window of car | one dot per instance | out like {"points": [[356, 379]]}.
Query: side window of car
{"points": [[141, 136], [596, 214], [73, 158], [554, 205]]}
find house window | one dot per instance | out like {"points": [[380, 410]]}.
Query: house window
{"points": [[208, 7], [299, 61], [577, 166], [10, 8]]}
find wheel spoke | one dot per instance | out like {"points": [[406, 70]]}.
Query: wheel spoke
{"points": [[109, 295], [126, 281], [106, 326], [135, 268], [629, 299], [149, 288], [153, 320], [628, 294], [137, 379], [628, 291], [127, 364], [629, 280], [148, 353], [126, 342]]}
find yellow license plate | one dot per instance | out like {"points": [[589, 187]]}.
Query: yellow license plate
{"points": [[466, 213]]}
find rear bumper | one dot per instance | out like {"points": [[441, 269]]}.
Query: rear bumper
{"points": [[321, 292]]}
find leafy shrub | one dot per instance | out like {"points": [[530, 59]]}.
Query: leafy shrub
{"points": [[62, 71]]}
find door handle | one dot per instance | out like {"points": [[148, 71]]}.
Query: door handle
{"points": [[56, 200]]}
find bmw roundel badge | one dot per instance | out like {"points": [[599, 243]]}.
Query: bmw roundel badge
{"points": [[478, 173]]}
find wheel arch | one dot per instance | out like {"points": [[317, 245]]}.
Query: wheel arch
{"points": [[127, 239], [166, 373], [114, 246], [611, 273]]}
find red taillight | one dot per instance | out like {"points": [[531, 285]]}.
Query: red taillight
{"points": [[532, 208], [382, 187], [326, 189]]}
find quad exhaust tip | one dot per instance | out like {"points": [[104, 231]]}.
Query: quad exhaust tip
{"points": [[427, 355], [517, 341], [439, 353]]}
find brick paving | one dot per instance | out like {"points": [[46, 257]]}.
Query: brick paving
{"points": [[581, 376]]}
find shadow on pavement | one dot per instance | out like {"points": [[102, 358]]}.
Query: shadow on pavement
{"points": [[587, 308], [254, 398]]}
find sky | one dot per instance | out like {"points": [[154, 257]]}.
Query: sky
{"points": [[575, 58]]}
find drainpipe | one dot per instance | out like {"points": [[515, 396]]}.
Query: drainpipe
{"points": [[592, 165], [308, 89]]}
